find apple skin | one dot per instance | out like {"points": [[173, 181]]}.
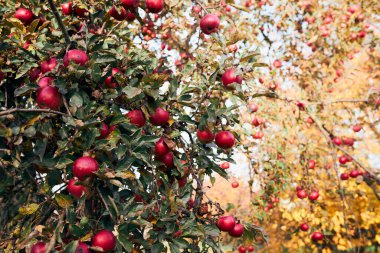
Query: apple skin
{"points": [[82, 248], [182, 182], [311, 164], [80, 12], [342, 159], [74, 189], [225, 140], [34, 74], [313, 195], [48, 65], [251, 248], [26, 16], [136, 117], [84, 167], [104, 239], [75, 55], [160, 117], [242, 249], [116, 15], [235, 185], [317, 236], [167, 159], [225, 165], [104, 131], [348, 141], [357, 128], [277, 63], [210, 24], [155, 6], [301, 194], [205, 136], [237, 230], [354, 173], [45, 81], [229, 77], [160, 148], [39, 247], [109, 82], [226, 223], [304, 227], [344, 176], [67, 8], [49, 97], [130, 4], [337, 141]]}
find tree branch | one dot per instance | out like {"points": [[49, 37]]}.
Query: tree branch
{"points": [[60, 22], [11, 111]]}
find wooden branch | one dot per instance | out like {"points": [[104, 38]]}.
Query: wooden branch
{"points": [[60, 22], [13, 110]]}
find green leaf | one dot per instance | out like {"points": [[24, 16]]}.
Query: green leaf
{"points": [[249, 57], [24, 89], [76, 100], [158, 248], [29, 209], [25, 68], [123, 240], [63, 201], [131, 92], [71, 247]]}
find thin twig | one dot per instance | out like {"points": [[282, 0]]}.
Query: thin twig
{"points": [[60, 22], [11, 111]]}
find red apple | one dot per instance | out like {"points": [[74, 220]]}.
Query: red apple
{"points": [[225, 139], [242, 249], [67, 8], [357, 128], [80, 12], [45, 81], [190, 203], [253, 107], [354, 173], [155, 6], [160, 117], [235, 185], [74, 189], [34, 74], [301, 194], [136, 117], [75, 55], [251, 248], [205, 136], [48, 65], [82, 248], [343, 159], [313, 195], [277, 63], [104, 131], [160, 148], [39, 247], [130, 4], [317, 236], [167, 159], [105, 240], [237, 230], [182, 182], [226, 223], [348, 141], [116, 15], [110, 82], [344, 176], [337, 141], [304, 227], [229, 77], [84, 167], [130, 17], [298, 188], [49, 97], [210, 24], [225, 165], [26, 16], [311, 164]]}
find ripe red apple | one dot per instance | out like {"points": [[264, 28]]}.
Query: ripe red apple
{"points": [[357, 128], [343, 159], [104, 131], [277, 63], [82, 248], [311, 164], [337, 141], [80, 12], [225, 139], [348, 141], [75, 55], [49, 97], [136, 117], [182, 182], [251, 248], [130, 4], [237, 230], [45, 81], [304, 227], [39, 247], [235, 185], [74, 189], [105, 240], [161, 149], [84, 167], [116, 15], [354, 173], [34, 74], [301, 194], [229, 77], [210, 24], [313, 195], [226, 223], [298, 188], [26, 16], [155, 6], [344, 176], [130, 17], [317, 236], [242, 249], [160, 117], [67, 8], [205, 136], [225, 165], [253, 107], [110, 82], [167, 159], [48, 65]]}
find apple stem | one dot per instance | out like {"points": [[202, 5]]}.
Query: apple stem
{"points": [[60, 22]]}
